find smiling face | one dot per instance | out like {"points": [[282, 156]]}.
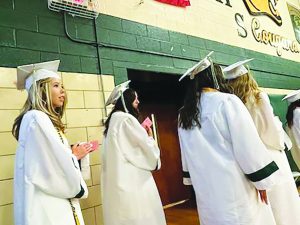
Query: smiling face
{"points": [[136, 102], [57, 93]]}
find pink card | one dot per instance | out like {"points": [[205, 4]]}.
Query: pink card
{"points": [[147, 123], [95, 145]]}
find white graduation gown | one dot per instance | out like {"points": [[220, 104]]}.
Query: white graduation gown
{"points": [[47, 174], [294, 133], [227, 162], [283, 197], [130, 195]]}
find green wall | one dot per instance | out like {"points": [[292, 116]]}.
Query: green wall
{"points": [[30, 32], [280, 107]]}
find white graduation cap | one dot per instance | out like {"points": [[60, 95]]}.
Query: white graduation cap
{"points": [[117, 93], [235, 70], [28, 74], [293, 96], [197, 68]]}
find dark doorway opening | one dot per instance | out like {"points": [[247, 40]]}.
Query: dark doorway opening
{"points": [[157, 87]]}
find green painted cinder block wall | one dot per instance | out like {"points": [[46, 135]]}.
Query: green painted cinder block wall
{"points": [[30, 32]]}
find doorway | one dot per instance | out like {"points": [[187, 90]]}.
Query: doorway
{"points": [[162, 95]]}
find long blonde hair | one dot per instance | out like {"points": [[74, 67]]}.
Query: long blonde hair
{"points": [[245, 87], [39, 98]]}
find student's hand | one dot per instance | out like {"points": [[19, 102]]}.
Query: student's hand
{"points": [[149, 131], [81, 150], [263, 196]]}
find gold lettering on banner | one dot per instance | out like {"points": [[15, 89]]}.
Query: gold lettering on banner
{"points": [[275, 40]]}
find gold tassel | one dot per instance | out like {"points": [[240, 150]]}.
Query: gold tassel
{"points": [[76, 219], [73, 208], [74, 213]]}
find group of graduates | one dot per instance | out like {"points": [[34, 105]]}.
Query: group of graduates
{"points": [[232, 149]]}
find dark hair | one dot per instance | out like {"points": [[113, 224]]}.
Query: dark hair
{"points": [[189, 114], [129, 97], [290, 112]]}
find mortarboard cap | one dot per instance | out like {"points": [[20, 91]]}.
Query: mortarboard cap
{"points": [[28, 74], [197, 68], [117, 93], [293, 96], [235, 70]]}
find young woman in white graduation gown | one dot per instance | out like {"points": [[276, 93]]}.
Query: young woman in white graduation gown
{"points": [[293, 122], [129, 192], [283, 197], [222, 154], [47, 180]]}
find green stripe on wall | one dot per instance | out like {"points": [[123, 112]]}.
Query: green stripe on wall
{"points": [[44, 28]]}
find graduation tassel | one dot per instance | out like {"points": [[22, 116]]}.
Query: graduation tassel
{"points": [[123, 102], [248, 68], [73, 208], [32, 95], [74, 213], [216, 84]]}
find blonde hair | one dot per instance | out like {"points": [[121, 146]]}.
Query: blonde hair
{"points": [[245, 87], [39, 98]]}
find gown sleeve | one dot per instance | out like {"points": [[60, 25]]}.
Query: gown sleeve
{"points": [[287, 141], [294, 133], [144, 152], [50, 165], [296, 128], [249, 151], [85, 167], [185, 171], [268, 125]]}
